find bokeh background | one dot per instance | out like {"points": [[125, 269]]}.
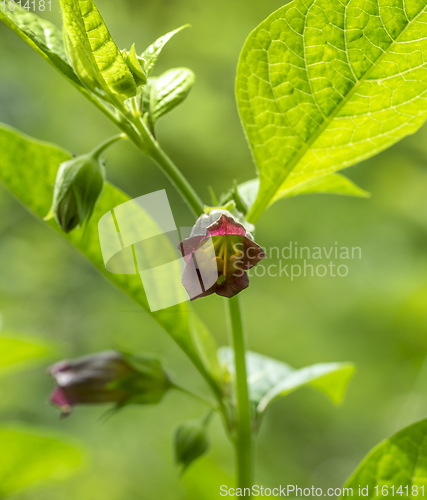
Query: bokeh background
{"points": [[375, 317]]}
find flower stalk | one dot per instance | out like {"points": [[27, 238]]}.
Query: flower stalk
{"points": [[97, 152], [243, 438]]}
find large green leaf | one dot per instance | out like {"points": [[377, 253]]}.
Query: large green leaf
{"points": [[398, 462], [269, 379], [18, 350], [30, 455], [43, 36], [324, 84], [28, 168], [47, 40], [95, 57]]}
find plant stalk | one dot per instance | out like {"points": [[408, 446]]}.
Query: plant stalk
{"points": [[97, 152], [177, 178], [243, 437], [197, 397], [145, 141]]}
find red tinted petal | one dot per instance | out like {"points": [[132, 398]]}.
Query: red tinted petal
{"points": [[189, 246], [226, 225], [252, 253], [60, 398], [233, 285]]}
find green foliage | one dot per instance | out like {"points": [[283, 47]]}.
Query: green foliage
{"points": [[151, 53], [134, 64], [44, 37], [164, 93], [93, 53], [269, 379], [247, 192], [30, 455], [34, 188], [330, 184], [396, 462], [324, 85], [20, 350]]}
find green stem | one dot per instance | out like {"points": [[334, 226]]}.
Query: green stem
{"points": [[243, 437], [97, 152], [145, 141], [177, 178], [201, 399], [152, 148]]}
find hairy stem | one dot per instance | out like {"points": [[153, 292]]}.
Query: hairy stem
{"points": [[243, 437]]}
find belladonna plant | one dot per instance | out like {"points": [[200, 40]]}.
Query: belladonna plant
{"points": [[320, 86]]}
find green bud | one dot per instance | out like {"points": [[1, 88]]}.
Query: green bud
{"points": [[78, 185], [191, 442], [135, 65]]}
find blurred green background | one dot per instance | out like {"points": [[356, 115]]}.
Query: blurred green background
{"points": [[375, 317]]}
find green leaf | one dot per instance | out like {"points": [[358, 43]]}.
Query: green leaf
{"points": [[399, 461], [329, 184], [164, 93], [151, 54], [93, 53], [325, 84], [31, 455], [17, 349], [269, 379], [34, 187], [138, 73], [44, 37]]}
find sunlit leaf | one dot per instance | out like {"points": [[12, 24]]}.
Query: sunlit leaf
{"points": [[151, 53], [34, 187], [325, 84], [17, 350], [131, 59], [269, 379], [43, 36], [329, 184], [399, 462], [94, 55], [164, 93], [30, 455]]}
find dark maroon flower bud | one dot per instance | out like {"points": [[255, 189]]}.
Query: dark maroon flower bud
{"points": [[108, 377], [235, 252]]}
